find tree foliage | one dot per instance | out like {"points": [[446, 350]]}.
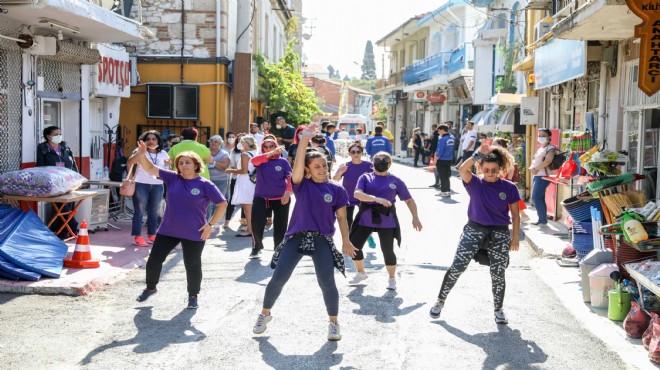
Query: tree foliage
{"points": [[282, 85], [331, 71], [368, 63]]}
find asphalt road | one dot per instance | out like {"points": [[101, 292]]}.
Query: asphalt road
{"points": [[381, 329]]}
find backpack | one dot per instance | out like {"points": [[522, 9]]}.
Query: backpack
{"points": [[557, 160], [118, 169]]}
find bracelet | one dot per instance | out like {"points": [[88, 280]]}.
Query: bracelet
{"points": [[477, 156], [210, 224]]}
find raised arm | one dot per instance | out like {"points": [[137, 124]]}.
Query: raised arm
{"points": [[140, 157], [298, 172]]}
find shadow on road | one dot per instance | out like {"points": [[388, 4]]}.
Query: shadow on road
{"points": [[254, 272], [504, 347], [324, 358], [447, 200], [155, 335], [429, 266], [384, 308]]}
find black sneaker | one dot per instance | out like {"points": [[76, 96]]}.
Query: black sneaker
{"points": [[434, 186], [192, 302], [146, 294], [256, 253]]}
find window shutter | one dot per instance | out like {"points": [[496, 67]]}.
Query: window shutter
{"points": [[159, 101], [186, 100]]}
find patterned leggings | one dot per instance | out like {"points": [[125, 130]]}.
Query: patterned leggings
{"points": [[498, 253]]}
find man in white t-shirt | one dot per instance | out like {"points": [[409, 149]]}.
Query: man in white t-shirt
{"points": [[469, 140], [254, 131]]}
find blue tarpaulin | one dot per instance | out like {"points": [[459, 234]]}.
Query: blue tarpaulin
{"points": [[27, 243], [9, 268]]}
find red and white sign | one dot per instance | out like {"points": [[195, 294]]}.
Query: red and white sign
{"points": [[419, 96], [436, 98], [113, 73]]}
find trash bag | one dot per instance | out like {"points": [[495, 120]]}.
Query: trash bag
{"points": [[637, 322], [654, 345], [648, 333]]}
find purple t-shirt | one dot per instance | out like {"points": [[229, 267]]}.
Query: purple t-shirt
{"points": [[489, 201], [271, 178], [187, 201], [387, 187], [316, 204], [351, 176]]}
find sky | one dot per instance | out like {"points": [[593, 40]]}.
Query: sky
{"points": [[342, 28]]}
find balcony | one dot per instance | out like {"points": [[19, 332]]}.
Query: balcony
{"points": [[426, 69], [593, 20], [390, 83], [462, 59]]}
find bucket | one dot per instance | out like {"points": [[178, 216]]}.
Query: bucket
{"points": [[600, 284], [592, 260], [619, 305]]}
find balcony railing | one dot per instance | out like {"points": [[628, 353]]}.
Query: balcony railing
{"points": [[426, 69], [461, 58]]}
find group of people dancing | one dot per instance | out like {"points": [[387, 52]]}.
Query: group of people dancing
{"points": [[263, 177]]}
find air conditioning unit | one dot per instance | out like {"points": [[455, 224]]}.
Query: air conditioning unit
{"points": [[538, 4], [38, 45], [541, 29]]}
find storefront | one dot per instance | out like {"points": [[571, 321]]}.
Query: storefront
{"points": [[11, 103]]}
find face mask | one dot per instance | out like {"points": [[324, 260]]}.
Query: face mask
{"points": [[231, 140], [239, 146], [542, 140], [56, 139], [381, 165], [175, 142]]}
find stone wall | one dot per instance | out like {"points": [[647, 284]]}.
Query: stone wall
{"points": [[163, 18]]}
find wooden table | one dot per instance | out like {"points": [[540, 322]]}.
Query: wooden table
{"points": [[58, 202]]}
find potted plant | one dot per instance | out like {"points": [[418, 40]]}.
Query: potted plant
{"points": [[506, 83]]}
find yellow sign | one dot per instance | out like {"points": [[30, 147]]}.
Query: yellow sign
{"points": [[649, 54]]}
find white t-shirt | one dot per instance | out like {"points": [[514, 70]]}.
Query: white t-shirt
{"points": [[539, 156], [158, 160], [470, 137]]}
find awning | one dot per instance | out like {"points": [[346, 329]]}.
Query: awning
{"points": [[507, 120], [486, 122], [506, 99], [437, 80]]}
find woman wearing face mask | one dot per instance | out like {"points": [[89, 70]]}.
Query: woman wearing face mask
{"points": [[294, 147], [319, 203], [244, 189], [148, 188], [377, 192], [491, 198], [542, 158], [234, 158], [217, 169], [271, 193], [54, 152]]}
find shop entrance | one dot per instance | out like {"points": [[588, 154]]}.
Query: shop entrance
{"points": [[642, 128]]}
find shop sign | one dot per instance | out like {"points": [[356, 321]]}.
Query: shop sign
{"points": [[113, 73], [419, 96], [390, 99], [529, 110], [649, 51], [436, 98], [559, 61]]}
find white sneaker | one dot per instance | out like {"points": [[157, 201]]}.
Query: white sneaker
{"points": [[333, 331], [436, 309], [391, 284], [500, 317], [358, 278], [262, 323]]}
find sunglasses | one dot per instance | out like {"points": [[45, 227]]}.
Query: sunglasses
{"points": [[270, 146], [151, 139], [355, 152], [490, 170]]}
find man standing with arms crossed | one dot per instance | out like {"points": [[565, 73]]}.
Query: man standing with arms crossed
{"points": [[444, 154]]}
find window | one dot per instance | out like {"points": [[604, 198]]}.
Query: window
{"points": [[168, 101]]}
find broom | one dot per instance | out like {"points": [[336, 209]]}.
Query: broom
{"points": [[622, 179]]}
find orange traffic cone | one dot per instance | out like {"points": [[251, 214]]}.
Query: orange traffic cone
{"points": [[82, 256], [431, 166]]}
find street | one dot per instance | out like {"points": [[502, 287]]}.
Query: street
{"points": [[380, 328]]}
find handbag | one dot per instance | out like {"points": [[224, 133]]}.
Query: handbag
{"points": [[127, 187]]}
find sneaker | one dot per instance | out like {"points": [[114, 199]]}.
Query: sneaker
{"points": [[269, 221], [256, 253], [151, 239], [436, 309], [371, 241], [358, 278], [139, 241], [146, 294], [262, 323], [391, 284], [333, 331], [500, 317], [192, 302], [434, 186]]}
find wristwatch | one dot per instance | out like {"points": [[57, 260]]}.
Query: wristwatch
{"points": [[210, 224]]}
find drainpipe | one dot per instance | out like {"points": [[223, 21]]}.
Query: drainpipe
{"points": [[512, 29], [217, 65], [183, 34], [602, 104]]}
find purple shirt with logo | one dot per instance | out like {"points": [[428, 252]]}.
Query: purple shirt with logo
{"points": [[316, 204], [271, 178], [386, 187], [187, 201], [351, 176], [489, 201]]}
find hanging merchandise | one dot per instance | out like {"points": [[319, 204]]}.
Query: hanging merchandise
{"points": [[580, 141], [632, 228]]}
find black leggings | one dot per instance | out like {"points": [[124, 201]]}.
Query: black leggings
{"points": [[349, 215], [192, 259], [232, 207], [386, 237], [260, 211]]}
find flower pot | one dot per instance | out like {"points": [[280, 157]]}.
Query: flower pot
{"points": [[508, 90]]}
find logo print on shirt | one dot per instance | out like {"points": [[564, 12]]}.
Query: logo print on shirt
{"points": [[502, 196], [392, 186], [278, 168], [327, 198], [194, 191]]}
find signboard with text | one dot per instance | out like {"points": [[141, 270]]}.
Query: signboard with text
{"points": [[112, 73], [559, 61], [649, 50]]}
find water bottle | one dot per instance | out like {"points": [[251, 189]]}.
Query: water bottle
{"points": [[106, 174], [98, 174]]}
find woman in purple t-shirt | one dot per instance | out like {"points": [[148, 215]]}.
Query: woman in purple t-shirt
{"points": [[272, 192], [377, 192], [488, 227], [349, 173], [188, 197], [319, 203]]}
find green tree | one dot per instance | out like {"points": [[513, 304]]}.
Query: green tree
{"points": [[337, 76], [369, 85], [368, 63], [346, 78], [331, 71], [382, 111], [281, 84]]}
